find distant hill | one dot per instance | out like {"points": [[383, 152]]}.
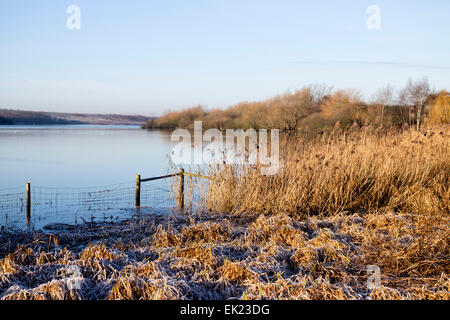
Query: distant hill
{"points": [[20, 117]]}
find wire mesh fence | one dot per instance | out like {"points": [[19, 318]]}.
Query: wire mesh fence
{"points": [[52, 206], [11, 204]]}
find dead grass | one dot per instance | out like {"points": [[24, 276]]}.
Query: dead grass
{"points": [[268, 258]]}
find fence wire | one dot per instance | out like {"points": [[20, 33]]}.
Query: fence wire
{"points": [[53, 205]]}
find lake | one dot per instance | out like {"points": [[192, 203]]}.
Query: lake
{"points": [[79, 173]]}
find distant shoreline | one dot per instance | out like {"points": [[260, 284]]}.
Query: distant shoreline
{"points": [[21, 117]]}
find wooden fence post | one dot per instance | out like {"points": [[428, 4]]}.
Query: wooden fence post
{"points": [[28, 187], [181, 190], [138, 190]]}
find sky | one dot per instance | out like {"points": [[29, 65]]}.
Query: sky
{"points": [[152, 56]]}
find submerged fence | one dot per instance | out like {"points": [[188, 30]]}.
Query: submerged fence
{"points": [[42, 206]]}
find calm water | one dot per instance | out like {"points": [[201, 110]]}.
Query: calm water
{"points": [[80, 156], [67, 165]]}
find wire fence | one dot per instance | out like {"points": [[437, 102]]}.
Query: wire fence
{"points": [[52, 206]]}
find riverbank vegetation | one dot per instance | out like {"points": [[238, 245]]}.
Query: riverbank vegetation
{"points": [[316, 109], [353, 171]]}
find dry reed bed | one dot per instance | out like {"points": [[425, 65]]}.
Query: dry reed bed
{"points": [[359, 170], [336, 207]]}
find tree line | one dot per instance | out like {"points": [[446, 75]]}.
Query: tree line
{"points": [[316, 108]]}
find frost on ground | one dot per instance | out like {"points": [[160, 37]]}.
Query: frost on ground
{"points": [[215, 256]]}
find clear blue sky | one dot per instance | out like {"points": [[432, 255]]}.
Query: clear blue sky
{"points": [[148, 56]]}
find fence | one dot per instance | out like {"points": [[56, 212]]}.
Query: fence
{"points": [[41, 206]]}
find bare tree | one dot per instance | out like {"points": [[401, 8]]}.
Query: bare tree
{"points": [[415, 94], [384, 97], [320, 92], [295, 109], [298, 106], [404, 100]]}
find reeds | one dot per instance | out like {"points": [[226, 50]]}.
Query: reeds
{"points": [[358, 171]]}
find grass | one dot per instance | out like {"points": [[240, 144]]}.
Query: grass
{"points": [[262, 257], [338, 205]]}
